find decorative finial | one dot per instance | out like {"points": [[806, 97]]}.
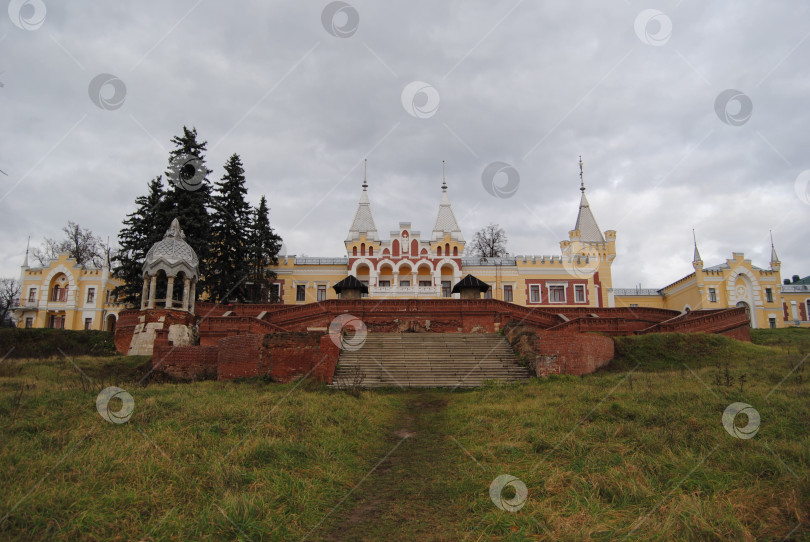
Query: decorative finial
{"points": [[771, 233], [365, 170], [696, 257], [694, 238], [581, 178], [444, 179]]}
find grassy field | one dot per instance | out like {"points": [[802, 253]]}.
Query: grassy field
{"points": [[635, 452]]}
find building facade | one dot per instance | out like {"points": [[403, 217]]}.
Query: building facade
{"points": [[734, 283], [409, 264], [65, 295]]}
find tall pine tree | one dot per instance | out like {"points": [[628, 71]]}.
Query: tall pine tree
{"points": [[264, 245], [231, 217], [142, 228], [190, 207]]}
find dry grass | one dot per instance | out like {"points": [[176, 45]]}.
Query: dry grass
{"points": [[604, 457]]}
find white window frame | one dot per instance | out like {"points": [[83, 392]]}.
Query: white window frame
{"points": [[321, 288], [768, 295], [564, 286], [91, 292], [535, 288], [712, 295], [579, 288]]}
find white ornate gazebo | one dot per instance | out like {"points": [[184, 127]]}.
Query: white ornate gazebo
{"points": [[174, 257]]}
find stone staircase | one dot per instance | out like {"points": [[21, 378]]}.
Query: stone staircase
{"points": [[428, 360]]}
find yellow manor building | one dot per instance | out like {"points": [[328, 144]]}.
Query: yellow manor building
{"points": [[408, 264], [65, 295]]}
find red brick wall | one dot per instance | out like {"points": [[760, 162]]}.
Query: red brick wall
{"points": [[742, 333], [239, 357], [125, 329], [128, 319], [185, 362], [291, 355], [549, 352], [576, 353]]}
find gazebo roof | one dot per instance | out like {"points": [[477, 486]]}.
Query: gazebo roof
{"points": [[470, 282], [350, 283], [172, 254]]}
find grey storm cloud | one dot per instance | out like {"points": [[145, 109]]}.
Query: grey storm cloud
{"points": [[93, 92]]}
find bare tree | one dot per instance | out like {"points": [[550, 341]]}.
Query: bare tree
{"points": [[9, 293], [489, 242], [48, 252], [81, 244]]}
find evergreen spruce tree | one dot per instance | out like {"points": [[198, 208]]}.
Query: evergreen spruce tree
{"points": [[230, 222], [263, 251], [190, 206], [142, 228]]}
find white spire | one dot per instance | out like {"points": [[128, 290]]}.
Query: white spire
{"points": [[774, 257], [27, 245], [586, 224], [363, 219], [696, 258], [446, 220]]}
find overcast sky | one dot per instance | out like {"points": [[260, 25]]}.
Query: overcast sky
{"points": [[304, 91]]}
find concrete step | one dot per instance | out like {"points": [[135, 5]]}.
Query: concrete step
{"points": [[429, 360]]}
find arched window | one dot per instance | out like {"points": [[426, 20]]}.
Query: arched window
{"points": [[354, 251], [447, 249], [455, 251], [371, 251], [362, 249], [438, 251], [415, 247], [395, 248]]}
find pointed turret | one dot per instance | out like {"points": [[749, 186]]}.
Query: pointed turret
{"points": [[445, 220], [25, 262], [363, 219], [697, 261], [775, 263], [586, 224]]}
